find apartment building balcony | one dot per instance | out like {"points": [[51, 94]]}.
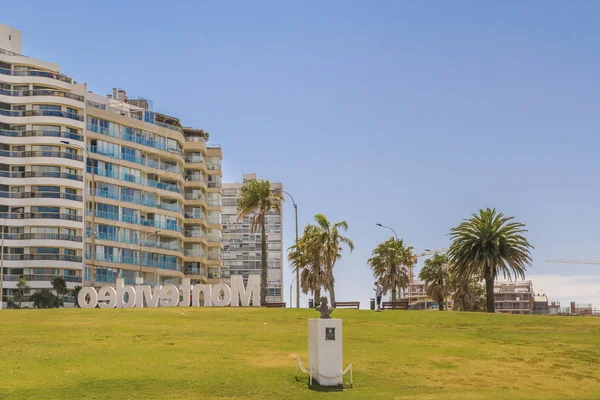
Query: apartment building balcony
{"points": [[141, 140], [40, 195], [41, 215], [55, 154], [41, 133], [41, 174], [42, 92], [39, 277], [42, 236], [42, 113], [143, 201], [36, 73]]}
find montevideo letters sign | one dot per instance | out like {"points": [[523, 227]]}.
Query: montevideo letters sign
{"points": [[218, 295]]}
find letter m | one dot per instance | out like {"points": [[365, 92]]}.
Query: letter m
{"points": [[239, 293]]}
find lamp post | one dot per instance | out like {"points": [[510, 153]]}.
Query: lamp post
{"points": [[140, 279], [297, 269], [387, 227], [17, 211], [93, 220], [291, 290]]}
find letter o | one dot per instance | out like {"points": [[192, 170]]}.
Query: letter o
{"points": [[226, 295], [93, 297]]}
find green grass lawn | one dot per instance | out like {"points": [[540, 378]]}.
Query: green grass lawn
{"points": [[193, 353]]}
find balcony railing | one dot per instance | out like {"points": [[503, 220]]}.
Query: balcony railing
{"points": [[194, 271], [41, 153], [193, 253], [42, 236], [214, 184], [194, 159], [124, 113], [41, 174], [138, 160], [134, 261], [135, 241], [194, 196], [134, 139], [42, 92], [40, 195], [43, 74], [214, 167], [136, 220], [67, 135], [143, 201], [42, 257], [194, 139], [42, 113], [194, 215], [194, 234], [39, 277], [41, 215], [135, 179]]}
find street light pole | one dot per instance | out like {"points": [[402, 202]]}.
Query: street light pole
{"points": [[387, 227], [297, 269], [291, 283], [20, 210], [140, 279], [93, 220]]}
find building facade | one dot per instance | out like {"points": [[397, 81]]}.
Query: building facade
{"points": [[95, 188], [242, 249], [513, 297]]}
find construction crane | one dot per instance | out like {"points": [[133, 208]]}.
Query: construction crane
{"points": [[561, 261], [427, 252]]}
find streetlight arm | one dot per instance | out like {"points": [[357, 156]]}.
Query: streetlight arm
{"points": [[390, 228]]}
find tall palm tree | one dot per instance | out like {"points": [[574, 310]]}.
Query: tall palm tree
{"points": [[487, 245], [312, 275], [390, 262], [436, 274], [256, 200], [321, 246]]}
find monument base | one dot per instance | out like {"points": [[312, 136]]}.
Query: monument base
{"points": [[325, 351]]}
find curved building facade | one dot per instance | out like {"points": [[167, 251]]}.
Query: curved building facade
{"points": [[42, 129], [95, 188]]}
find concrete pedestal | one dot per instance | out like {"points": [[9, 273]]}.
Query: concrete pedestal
{"points": [[325, 350]]}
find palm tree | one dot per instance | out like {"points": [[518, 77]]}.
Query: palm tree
{"points": [[60, 287], [390, 262], [468, 296], [22, 290], [324, 246], [312, 275], [436, 274], [256, 200], [487, 245]]}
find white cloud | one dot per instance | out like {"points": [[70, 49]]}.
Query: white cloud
{"points": [[564, 288]]}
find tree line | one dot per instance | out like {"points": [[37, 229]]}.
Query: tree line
{"points": [[42, 298], [484, 247]]}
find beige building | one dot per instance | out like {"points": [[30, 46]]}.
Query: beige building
{"points": [[513, 297], [99, 187], [242, 249]]}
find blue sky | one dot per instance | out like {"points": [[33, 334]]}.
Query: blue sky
{"points": [[412, 114]]}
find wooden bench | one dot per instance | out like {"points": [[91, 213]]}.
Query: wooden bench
{"points": [[349, 304], [394, 305], [275, 305]]}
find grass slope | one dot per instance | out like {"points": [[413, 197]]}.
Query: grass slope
{"points": [[231, 353]]}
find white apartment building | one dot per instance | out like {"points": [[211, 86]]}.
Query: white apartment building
{"points": [[242, 249], [94, 188]]}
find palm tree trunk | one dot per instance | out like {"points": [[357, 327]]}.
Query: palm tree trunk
{"points": [[394, 293], [317, 296], [263, 266], [331, 294], [489, 290]]}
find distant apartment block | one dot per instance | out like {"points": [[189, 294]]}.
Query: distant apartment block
{"points": [[513, 297], [242, 249]]}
